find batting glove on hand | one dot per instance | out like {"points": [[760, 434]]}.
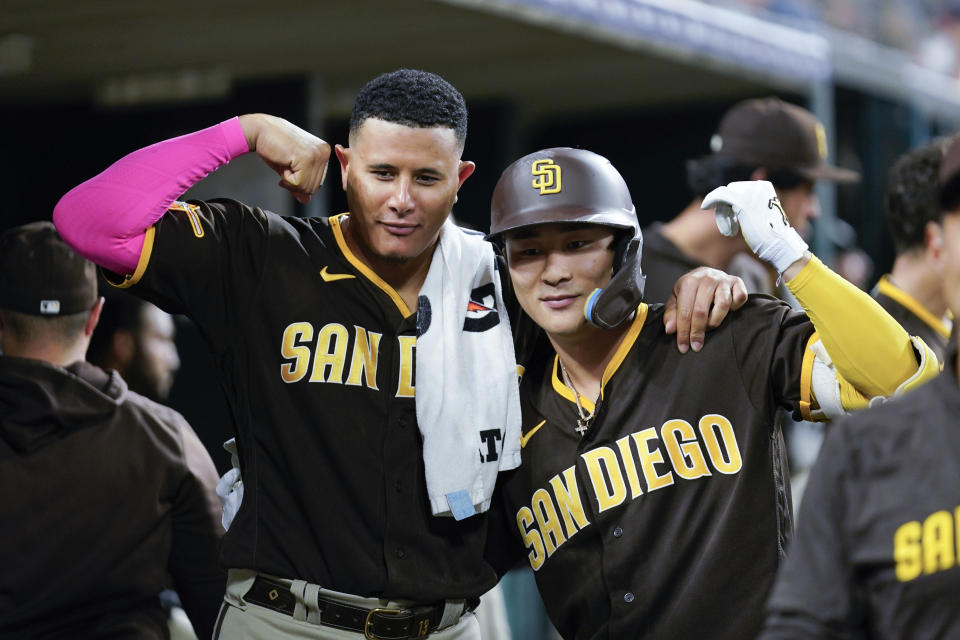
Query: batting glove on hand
{"points": [[753, 208]]}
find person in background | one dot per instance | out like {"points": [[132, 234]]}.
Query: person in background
{"points": [[105, 495], [757, 139], [876, 555], [913, 290], [136, 339]]}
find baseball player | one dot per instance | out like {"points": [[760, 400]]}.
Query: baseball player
{"points": [[876, 550], [314, 324], [106, 496], [912, 292], [649, 502], [757, 139]]}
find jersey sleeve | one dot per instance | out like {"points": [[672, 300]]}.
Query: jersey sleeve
{"points": [[770, 343], [815, 594], [204, 260]]}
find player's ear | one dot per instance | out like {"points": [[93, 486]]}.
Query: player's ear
{"points": [[94, 317], [464, 171], [343, 155], [933, 244]]}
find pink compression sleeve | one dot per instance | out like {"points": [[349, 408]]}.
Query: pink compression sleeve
{"points": [[105, 218]]}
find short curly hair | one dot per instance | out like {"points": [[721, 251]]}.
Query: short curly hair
{"points": [[913, 197], [412, 98]]}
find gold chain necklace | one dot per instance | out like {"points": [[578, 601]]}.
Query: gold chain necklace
{"points": [[583, 422]]}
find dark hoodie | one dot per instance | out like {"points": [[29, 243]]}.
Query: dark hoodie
{"points": [[106, 498]]}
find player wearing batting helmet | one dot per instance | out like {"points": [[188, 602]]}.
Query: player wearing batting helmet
{"points": [[649, 502], [318, 326], [878, 541]]}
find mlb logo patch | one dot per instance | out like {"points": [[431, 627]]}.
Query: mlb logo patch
{"points": [[50, 307]]}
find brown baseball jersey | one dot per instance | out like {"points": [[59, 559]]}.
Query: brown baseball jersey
{"points": [[668, 518], [878, 542], [316, 355]]}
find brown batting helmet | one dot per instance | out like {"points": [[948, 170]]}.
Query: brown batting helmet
{"points": [[565, 185]]}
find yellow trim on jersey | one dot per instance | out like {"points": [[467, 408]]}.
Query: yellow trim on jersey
{"points": [[131, 279], [364, 269], [887, 288], [619, 355], [625, 345], [525, 438], [806, 379]]}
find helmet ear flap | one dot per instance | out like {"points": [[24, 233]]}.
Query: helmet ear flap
{"points": [[608, 307]]}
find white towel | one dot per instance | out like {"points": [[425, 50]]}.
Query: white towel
{"points": [[467, 394]]}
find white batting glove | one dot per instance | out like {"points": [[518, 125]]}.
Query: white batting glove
{"points": [[753, 208]]}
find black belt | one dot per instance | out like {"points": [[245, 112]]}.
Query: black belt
{"points": [[382, 623]]}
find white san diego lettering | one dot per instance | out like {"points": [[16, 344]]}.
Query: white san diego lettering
{"points": [[556, 510]]}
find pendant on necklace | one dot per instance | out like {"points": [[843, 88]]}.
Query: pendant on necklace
{"points": [[581, 427]]}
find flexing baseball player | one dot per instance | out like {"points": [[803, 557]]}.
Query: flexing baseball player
{"points": [[876, 550], [313, 324], [913, 292], [649, 502]]}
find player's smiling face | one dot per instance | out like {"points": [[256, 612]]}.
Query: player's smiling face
{"points": [[554, 267], [401, 183]]}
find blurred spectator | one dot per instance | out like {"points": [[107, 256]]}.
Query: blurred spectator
{"points": [[926, 30], [136, 339], [940, 50]]}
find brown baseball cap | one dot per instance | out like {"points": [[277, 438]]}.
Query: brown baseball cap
{"points": [[40, 275], [768, 132]]}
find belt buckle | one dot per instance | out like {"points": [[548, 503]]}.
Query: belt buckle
{"points": [[368, 623]]}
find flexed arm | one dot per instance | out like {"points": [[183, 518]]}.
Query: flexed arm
{"points": [[105, 218], [872, 355]]}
